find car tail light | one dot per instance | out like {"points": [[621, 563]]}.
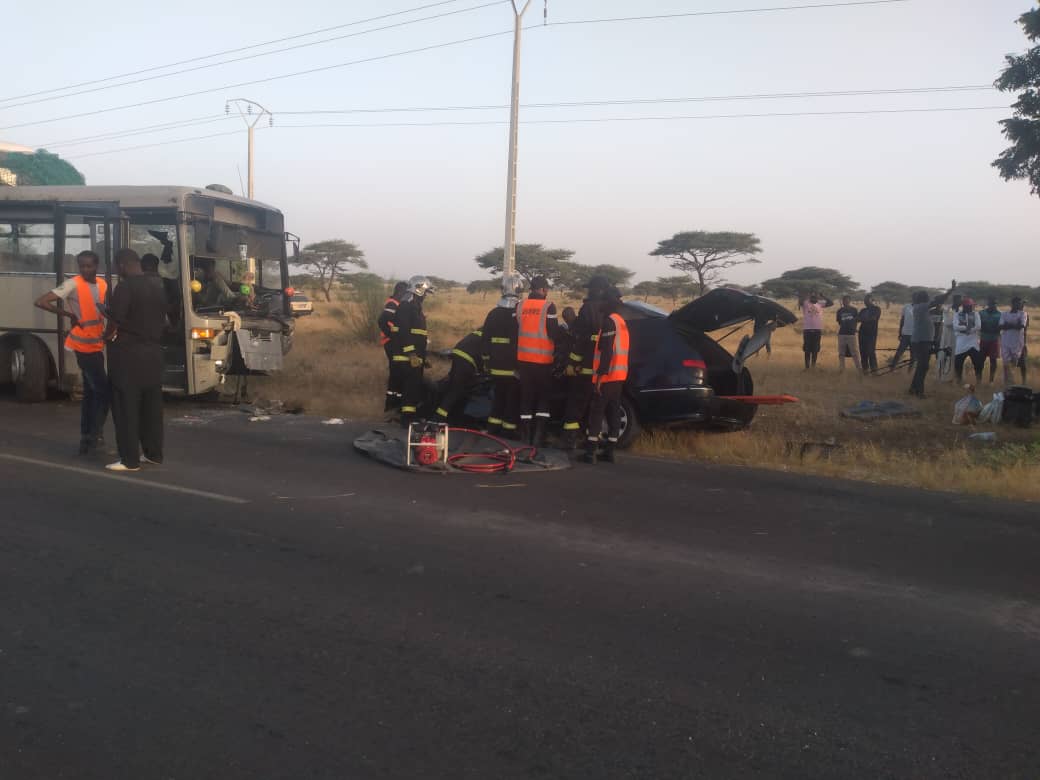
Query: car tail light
{"points": [[697, 370], [202, 334], [290, 291]]}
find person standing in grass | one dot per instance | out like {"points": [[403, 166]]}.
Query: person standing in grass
{"points": [[906, 335], [812, 325], [869, 317], [947, 340], [1013, 326], [989, 336], [967, 326], [848, 321], [923, 341]]}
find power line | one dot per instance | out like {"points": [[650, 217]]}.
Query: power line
{"points": [[950, 89], [863, 112], [685, 14], [652, 101], [232, 51], [253, 56], [432, 47]]}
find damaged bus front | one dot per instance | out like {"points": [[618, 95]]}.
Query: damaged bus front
{"points": [[241, 321]]}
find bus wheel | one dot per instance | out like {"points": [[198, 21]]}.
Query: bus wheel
{"points": [[30, 369]]}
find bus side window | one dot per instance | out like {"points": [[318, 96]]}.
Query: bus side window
{"points": [[27, 248]]}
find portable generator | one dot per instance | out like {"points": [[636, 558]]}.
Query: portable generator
{"points": [[427, 444]]}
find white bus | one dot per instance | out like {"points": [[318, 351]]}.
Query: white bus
{"points": [[223, 266]]}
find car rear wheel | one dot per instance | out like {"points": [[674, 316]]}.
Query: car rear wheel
{"points": [[630, 427]]}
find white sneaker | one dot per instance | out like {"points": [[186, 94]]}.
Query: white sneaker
{"points": [[118, 466], [149, 461]]}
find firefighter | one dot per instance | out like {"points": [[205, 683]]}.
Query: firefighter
{"points": [[386, 332], [536, 341], [409, 342], [499, 350], [579, 371], [467, 361], [610, 368]]}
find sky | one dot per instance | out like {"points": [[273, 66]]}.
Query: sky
{"points": [[907, 196]]}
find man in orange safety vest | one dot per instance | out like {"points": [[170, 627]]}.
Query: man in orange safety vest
{"points": [[82, 299], [610, 370], [535, 351]]}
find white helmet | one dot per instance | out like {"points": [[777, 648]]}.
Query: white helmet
{"points": [[512, 285], [420, 286]]}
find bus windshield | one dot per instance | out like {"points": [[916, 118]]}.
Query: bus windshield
{"points": [[236, 268]]}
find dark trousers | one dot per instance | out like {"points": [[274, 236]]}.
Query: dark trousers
{"points": [[606, 404], [137, 412], [535, 385], [460, 380], [410, 385], [868, 351], [504, 403], [976, 361], [904, 345], [811, 346], [393, 389], [93, 410], [579, 395], [921, 353]]}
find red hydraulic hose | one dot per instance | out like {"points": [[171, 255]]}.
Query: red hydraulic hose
{"points": [[503, 459]]}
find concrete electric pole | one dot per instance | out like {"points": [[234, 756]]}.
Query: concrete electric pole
{"points": [[509, 246], [250, 116]]}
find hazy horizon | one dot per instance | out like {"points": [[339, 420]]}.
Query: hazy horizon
{"points": [[909, 197]]}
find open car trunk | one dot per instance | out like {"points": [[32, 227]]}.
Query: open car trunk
{"points": [[724, 308]]}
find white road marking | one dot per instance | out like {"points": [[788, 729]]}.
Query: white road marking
{"points": [[101, 473]]}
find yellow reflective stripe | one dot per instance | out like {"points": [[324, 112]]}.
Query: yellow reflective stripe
{"points": [[478, 333], [571, 426], [442, 412], [418, 332], [469, 359], [409, 348], [594, 338], [509, 426], [494, 421], [502, 372], [394, 328], [85, 340], [407, 409], [400, 359], [500, 340], [576, 356], [587, 371]]}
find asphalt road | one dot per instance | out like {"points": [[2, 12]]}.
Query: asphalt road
{"points": [[270, 604]]}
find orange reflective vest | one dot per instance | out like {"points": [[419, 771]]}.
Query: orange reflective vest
{"points": [[88, 335], [618, 369], [533, 344]]}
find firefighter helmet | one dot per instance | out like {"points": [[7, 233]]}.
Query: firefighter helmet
{"points": [[419, 286]]}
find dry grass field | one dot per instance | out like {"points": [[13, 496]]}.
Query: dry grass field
{"points": [[328, 373]]}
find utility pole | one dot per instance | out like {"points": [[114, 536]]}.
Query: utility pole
{"points": [[509, 246], [250, 116]]}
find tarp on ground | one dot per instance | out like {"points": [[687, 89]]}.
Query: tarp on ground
{"points": [[880, 410], [388, 446]]}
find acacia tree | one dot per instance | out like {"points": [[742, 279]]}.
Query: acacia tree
{"points": [[706, 255], [802, 281], [328, 260], [891, 292], [483, 286], [1021, 160], [675, 287], [531, 260]]}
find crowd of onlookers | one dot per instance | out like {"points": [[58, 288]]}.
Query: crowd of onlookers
{"points": [[949, 326]]}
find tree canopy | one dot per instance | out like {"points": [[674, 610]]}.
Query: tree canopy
{"points": [[483, 286], [891, 292], [672, 287], [706, 256], [531, 260], [1021, 74], [40, 168], [827, 281], [328, 260]]}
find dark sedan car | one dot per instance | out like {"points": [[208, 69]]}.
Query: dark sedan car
{"points": [[678, 375]]}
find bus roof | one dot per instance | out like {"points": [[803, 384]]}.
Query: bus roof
{"points": [[127, 196]]}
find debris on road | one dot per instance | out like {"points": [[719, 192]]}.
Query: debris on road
{"points": [[333, 421], [879, 410]]}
